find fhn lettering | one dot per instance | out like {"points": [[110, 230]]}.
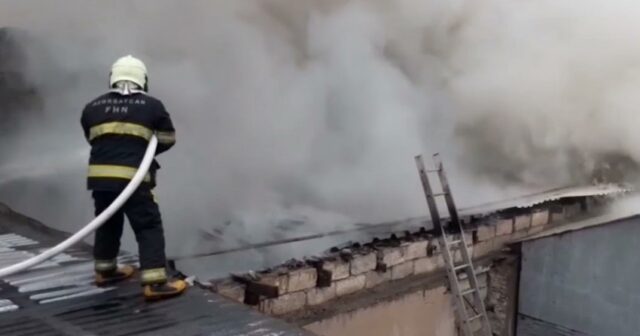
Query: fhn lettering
{"points": [[116, 109]]}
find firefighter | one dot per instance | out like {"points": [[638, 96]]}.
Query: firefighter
{"points": [[118, 125]]}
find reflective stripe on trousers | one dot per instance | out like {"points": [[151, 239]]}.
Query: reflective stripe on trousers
{"points": [[153, 275], [113, 171], [105, 265]]}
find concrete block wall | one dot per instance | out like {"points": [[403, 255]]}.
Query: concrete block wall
{"points": [[388, 260], [501, 300]]}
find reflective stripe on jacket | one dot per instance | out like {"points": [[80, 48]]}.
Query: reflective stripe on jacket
{"points": [[119, 128]]}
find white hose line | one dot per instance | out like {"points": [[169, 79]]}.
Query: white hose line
{"points": [[96, 222]]}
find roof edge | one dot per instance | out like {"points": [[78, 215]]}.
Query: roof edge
{"points": [[605, 219]]}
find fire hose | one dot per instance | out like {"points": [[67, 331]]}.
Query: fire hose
{"points": [[96, 222]]}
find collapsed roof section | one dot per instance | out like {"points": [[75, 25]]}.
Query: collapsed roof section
{"points": [[407, 249]]}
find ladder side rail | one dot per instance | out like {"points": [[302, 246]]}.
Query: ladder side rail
{"points": [[428, 192], [446, 253], [453, 213], [451, 206], [478, 303], [458, 300], [466, 258]]}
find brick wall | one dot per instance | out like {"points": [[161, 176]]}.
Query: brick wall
{"points": [[317, 281]]}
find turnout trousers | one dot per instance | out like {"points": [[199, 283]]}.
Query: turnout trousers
{"points": [[144, 216]]}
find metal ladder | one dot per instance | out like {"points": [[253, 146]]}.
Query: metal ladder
{"points": [[471, 313]]}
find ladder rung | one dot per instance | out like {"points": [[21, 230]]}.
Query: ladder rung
{"points": [[439, 194], [467, 292], [432, 170], [452, 244], [461, 266], [473, 318]]}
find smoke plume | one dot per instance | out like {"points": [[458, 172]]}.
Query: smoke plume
{"points": [[311, 111]]}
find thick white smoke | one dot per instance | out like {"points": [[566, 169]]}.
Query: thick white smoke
{"points": [[313, 110]]}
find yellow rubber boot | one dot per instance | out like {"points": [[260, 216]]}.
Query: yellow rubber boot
{"points": [[157, 286], [165, 290], [123, 272]]}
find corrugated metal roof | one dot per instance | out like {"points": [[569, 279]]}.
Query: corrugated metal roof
{"points": [[528, 201], [59, 297], [608, 218], [123, 312], [66, 276]]}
